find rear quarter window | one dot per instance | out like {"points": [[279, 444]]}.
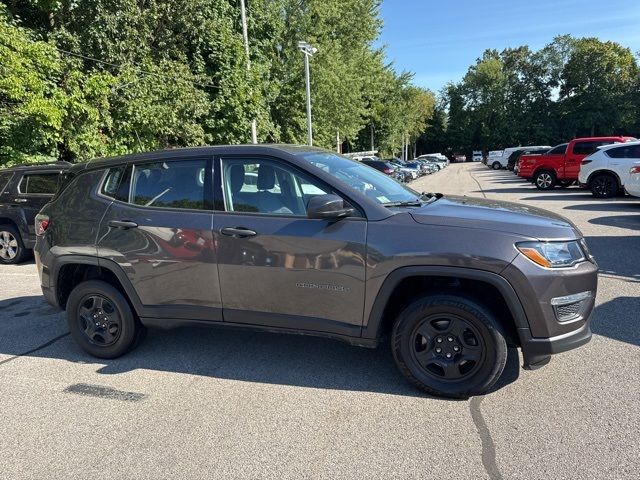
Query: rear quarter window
{"points": [[631, 151], [39, 183], [4, 180]]}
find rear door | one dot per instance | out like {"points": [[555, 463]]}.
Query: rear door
{"points": [[622, 158], [581, 149], [158, 228]]}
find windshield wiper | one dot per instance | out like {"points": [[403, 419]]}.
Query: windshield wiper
{"points": [[412, 203]]}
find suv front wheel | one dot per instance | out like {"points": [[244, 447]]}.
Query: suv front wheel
{"points": [[101, 321], [449, 346]]}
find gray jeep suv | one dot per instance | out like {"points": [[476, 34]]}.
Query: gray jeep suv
{"points": [[302, 240]]}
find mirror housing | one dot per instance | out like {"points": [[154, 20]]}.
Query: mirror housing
{"points": [[327, 206]]}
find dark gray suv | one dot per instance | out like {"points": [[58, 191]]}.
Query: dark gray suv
{"points": [[302, 240]]}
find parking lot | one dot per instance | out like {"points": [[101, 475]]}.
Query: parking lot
{"points": [[195, 403]]}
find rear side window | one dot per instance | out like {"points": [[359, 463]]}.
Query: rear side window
{"points": [[559, 150], [4, 180], [171, 184], [631, 151], [587, 148], [117, 182], [39, 183]]}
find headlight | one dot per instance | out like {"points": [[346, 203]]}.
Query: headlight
{"points": [[553, 254]]}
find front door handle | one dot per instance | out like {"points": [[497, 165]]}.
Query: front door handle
{"points": [[123, 224], [238, 232], [20, 200]]}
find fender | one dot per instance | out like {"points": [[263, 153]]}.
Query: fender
{"points": [[372, 330]]}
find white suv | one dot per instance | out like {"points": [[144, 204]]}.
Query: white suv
{"points": [[606, 171]]}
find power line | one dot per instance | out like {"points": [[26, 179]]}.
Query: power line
{"points": [[140, 70]]}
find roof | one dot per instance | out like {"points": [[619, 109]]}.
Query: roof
{"points": [[256, 149]]}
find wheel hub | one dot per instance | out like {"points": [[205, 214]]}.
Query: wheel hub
{"points": [[8, 245], [447, 347], [99, 320]]}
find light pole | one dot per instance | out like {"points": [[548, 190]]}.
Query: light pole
{"points": [[245, 36], [308, 51]]}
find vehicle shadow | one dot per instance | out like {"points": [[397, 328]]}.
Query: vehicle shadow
{"points": [[223, 353], [607, 205], [618, 319], [607, 252], [563, 194]]}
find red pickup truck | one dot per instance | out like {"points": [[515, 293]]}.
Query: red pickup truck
{"points": [[561, 165]]}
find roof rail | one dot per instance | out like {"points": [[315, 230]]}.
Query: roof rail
{"points": [[37, 164]]}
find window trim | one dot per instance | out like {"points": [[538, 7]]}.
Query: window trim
{"points": [[208, 188], [219, 198], [9, 178], [28, 174]]}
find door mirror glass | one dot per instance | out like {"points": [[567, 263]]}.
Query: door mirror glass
{"points": [[328, 206]]}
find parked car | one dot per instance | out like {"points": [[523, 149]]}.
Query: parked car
{"points": [[437, 156], [409, 173], [433, 161], [426, 168], [492, 157], [561, 165], [350, 263], [515, 156], [477, 155], [633, 183], [606, 171], [24, 190], [380, 165], [459, 158], [500, 162]]}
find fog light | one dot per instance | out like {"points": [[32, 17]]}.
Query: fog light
{"points": [[569, 307]]}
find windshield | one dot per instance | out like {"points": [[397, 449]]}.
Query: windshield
{"points": [[366, 180]]}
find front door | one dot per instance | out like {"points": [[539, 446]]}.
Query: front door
{"points": [[277, 267], [159, 230]]}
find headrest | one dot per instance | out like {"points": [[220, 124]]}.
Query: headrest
{"points": [[236, 177], [266, 177]]}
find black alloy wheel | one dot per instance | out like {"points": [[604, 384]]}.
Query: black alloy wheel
{"points": [[449, 345], [603, 185]]}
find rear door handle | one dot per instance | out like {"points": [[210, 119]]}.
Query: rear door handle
{"points": [[20, 200], [123, 224], [238, 232]]}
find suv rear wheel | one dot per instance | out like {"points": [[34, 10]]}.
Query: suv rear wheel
{"points": [[545, 180], [603, 185], [496, 165], [449, 346], [12, 249], [101, 320]]}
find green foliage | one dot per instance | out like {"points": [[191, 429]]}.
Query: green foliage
{"points": [[572, 87]]}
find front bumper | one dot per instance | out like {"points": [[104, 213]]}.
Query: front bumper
{"points": [[537, 352]]}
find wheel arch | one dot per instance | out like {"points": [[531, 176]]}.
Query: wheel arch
{"points": [[385, 306], [70, 270], [605, 171]]}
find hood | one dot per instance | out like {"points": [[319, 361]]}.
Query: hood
{"points": [[508, 217]]}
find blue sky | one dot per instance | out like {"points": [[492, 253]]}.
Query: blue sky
{"points": [[439, 39]]}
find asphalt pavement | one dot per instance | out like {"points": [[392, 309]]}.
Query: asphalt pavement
{"points": [[213, 403]]}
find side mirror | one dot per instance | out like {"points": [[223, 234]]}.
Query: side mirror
{"points": [[327, 206]]}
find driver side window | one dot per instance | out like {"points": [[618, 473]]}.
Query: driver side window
{"points": [[267, 187]]}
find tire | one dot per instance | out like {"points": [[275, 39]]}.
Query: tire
{"points": [[565, 183], [544, 180], [457, 326], [496, 165], [116, 330], [604, 185], [12, 249]]}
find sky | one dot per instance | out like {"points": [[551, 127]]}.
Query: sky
{"points": [[438, 40]]}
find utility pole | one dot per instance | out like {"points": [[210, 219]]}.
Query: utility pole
{"points": [[308, 51], [245, 35], [338, 140]]}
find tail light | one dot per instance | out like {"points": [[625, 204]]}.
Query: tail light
{"points": [[42, 223], [635, 169], [584, 162]]}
